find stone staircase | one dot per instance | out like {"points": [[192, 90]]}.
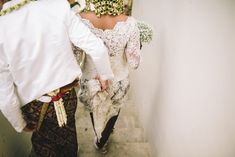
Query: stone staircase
{"points": [[127, 140]]}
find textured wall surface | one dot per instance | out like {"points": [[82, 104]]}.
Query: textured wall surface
{"points": [[186, 84]]}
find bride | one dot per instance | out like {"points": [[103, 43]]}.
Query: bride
{"points": [[120, 34]]}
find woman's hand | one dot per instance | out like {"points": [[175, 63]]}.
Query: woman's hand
{"points": [[103, 83]]}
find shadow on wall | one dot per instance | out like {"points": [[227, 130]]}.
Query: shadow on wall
{"points": [[13, 144]]}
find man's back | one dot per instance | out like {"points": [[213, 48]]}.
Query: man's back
{"points": [[36, 53], [37, 34]]}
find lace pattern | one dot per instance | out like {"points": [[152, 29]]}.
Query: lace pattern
{"points": [[124, 50], [123, 44], [90, 94], [78, 53], [104, 105], [133, 48]]}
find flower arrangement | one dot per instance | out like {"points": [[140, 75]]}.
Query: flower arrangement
{"points": [[15, 7], [105, 7], [146, 32]]}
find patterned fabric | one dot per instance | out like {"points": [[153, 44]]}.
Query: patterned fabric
{"points": [[51, 140], [104, 105], [124, 50], [79, 55]]}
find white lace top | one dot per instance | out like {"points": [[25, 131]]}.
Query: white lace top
{"points": [[123, 43]]}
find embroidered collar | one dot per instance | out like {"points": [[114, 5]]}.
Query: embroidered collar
{"points": [[14, 7]]}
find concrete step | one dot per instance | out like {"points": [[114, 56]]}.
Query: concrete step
{"points": [[117, 150], [127, 140]]}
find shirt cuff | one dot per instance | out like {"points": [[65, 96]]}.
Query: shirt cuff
{"points": [[19, 128]]}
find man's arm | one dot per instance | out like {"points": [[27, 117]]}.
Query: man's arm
{"points": [[9, 103], [82, 37]]}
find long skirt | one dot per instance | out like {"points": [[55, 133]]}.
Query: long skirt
{"points": [[103, 105]]}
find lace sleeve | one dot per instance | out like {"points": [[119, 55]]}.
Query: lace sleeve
{"points": [[133, 48], [77, 53]]}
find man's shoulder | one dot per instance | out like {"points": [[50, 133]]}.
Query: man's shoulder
{"points": [[54, 8], [55, 4]]}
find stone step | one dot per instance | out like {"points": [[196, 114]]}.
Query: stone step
{"points": [[127, 140], [117, 150]]}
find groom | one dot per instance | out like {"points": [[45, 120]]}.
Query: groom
{"points": [[37, 67]]}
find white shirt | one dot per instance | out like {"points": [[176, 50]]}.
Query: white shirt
{"points": [[36, 55]]}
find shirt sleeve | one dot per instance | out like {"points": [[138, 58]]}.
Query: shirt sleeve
{"points": [[132, 49], [9, 102], [82, 37]]}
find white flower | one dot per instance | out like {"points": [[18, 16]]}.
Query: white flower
{"points": [[146, 32]]}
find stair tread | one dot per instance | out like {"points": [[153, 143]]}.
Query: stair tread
{"points": [[117, 150], [128, 139]]}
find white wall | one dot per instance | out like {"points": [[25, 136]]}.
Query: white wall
{"points": [[185, 87]]}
